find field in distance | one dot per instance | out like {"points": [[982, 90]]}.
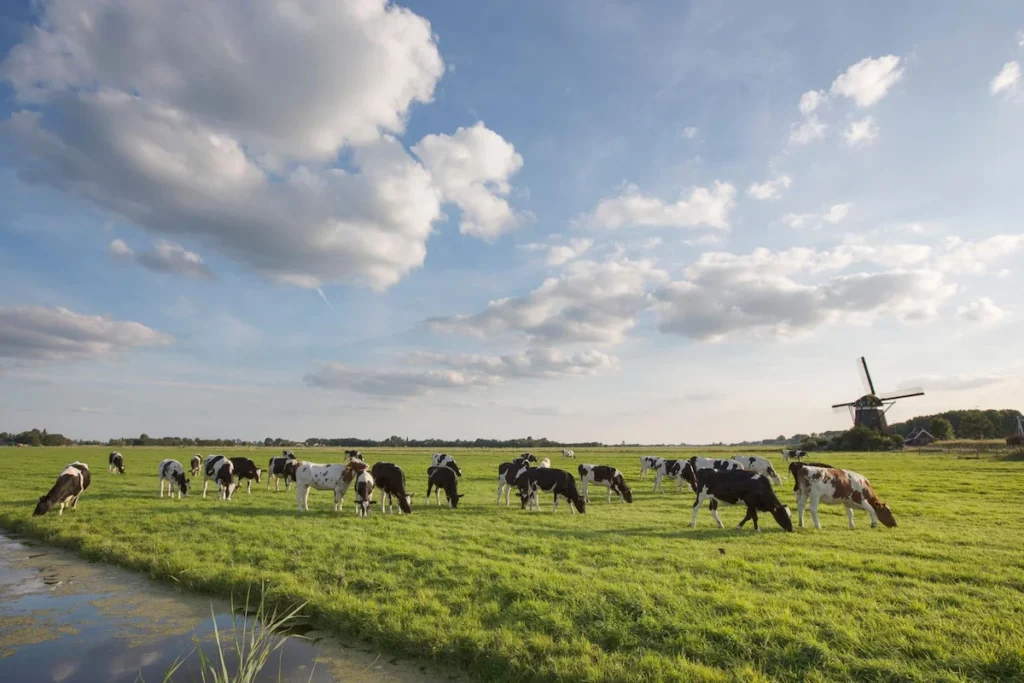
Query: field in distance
{"points": [[624, 592]]}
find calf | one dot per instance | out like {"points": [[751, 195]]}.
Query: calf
{"points": [[246, 469], [173, 473], [281, 468], [556, 482], [335, 477], [568, 453], [71, 482], [390, 479], [606, 476], [445, 460], [116, 462], [219, 469], [649, 462], [443, 479], [509, 473], [763, 466], [696, 464], [197, 462], [738, 486], [364, 493], [838, 487]]}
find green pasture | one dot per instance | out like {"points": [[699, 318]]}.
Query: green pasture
{"points": [[622, 593]]}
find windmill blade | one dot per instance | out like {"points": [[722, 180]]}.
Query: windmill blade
{"points": [[865, 376], [906, 393], [843, 405]]}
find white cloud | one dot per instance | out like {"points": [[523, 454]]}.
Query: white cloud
{"points": [[959, 256], [591, 302], [472, 168], [560, 254], [933, 383], [811, 100], [690, 132], [454, 372], [836, 213], [1007, 80], [651, 243], [807, 131], [770, 189], [981, 310], [868, 81], [166, 257], [221, 124], [704, 207], [57, 334], [862, 132]]}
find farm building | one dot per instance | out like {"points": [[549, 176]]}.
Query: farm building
{"points": [[921, 437]]}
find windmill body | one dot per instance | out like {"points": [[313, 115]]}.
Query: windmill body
{"points": [[869, 410]]}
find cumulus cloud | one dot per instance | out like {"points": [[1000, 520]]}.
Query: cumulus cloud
{"points": [[560, 254], [454, 372], [591, 302], [869, 80], [221, 121], [690, 132], [165, 257], [807, 131], [862, 132], [770, 189], [959, 256], [472, 168], [981, 310], [57, 334], [834, 214], [703, 207], [811, 100], [1007, 80]]}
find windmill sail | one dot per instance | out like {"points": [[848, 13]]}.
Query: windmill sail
{"points": [[865, 376]]}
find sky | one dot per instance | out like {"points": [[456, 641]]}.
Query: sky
{"points": [[653, 222]]}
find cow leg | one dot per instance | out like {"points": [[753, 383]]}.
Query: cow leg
{"points": [[801, 503], [161, 488], [696, 509], [849, 515], [206, 482], [814, 511], [583, 487], [866, 506], [501, 485], [657, 482], [679, 484], [713, 506], [610, 494], [248, 489], [555, 507], [300, 499]]}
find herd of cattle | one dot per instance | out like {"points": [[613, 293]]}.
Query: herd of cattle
{"points": [[740, 480]]}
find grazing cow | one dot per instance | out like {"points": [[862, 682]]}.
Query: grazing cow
{"points": [[390, 479], [556, 482], [364, 493], [71, 482], [116, 463], [788, 455], [736, 486], [509, 473], [568, 453], [172, 472], [197, 462], [696, 464], [546, 462], [763, 466], [335, 477], [246, 469], [838, 487], [606, 476], [279, 468], [219, 469], [793, 470], [672, 469], [649, 462], [445, 460], [444, 479]]}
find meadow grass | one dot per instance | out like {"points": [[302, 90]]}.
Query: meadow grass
{"points": [[622, 593]]}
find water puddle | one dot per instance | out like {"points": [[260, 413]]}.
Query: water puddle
{"points": [[66, 620]]}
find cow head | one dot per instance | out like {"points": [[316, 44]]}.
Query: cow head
{"points": [[185, 486], [453, 500], [529, 457], [623, 489], [781, 515], [581, 505], [42, 507], [690, 475], [885, 515], [773, 475]]}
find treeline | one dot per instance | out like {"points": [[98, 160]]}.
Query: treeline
{"points": [[34, 437], [857, 439], [402, 442], [964, 424]]}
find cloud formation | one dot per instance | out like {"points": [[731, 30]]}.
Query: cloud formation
{"points": [[869, 80], [981, 310], [862, 132], [704, 207], [57, 334], [1007, 80], [834, 214], [770, 189], [165, 257]]}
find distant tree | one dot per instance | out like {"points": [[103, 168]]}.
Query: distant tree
{"points": [[974, 425], [941, 429]]}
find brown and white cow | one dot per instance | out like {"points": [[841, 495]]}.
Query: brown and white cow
{"points": [[834, 486], [71, 482], [335, 477]]}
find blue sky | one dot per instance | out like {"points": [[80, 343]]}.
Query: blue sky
{"points": [[653, 221]]}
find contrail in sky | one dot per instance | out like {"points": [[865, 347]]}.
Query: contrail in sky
{"points": [[324, 297]]}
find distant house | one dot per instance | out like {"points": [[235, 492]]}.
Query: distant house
{"points": [[922, 437]]}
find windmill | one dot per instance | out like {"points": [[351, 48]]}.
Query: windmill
{"points": [[1017, 438], [869, 410]]}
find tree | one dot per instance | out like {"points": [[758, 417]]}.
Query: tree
{"points": [[941, 429], [974, 425]]}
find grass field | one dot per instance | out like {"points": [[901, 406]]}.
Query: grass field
{"points": [[625, 592]]}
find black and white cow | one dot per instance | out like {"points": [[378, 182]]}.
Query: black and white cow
{"points": [[568, 453], [390, 479], [364, 493], [335, 477], [738, 486], [443, 479], [287, 454], [509, 473], [116, 463], [246, 469], [279, 468], [220, 471], [353, 454], [196, 463], [71, 482], [649, 462], [445, 460], [669, 468], [695, 464], [172, 472], [834, 486], [556, 482], [789, 454], [606, 476]]}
